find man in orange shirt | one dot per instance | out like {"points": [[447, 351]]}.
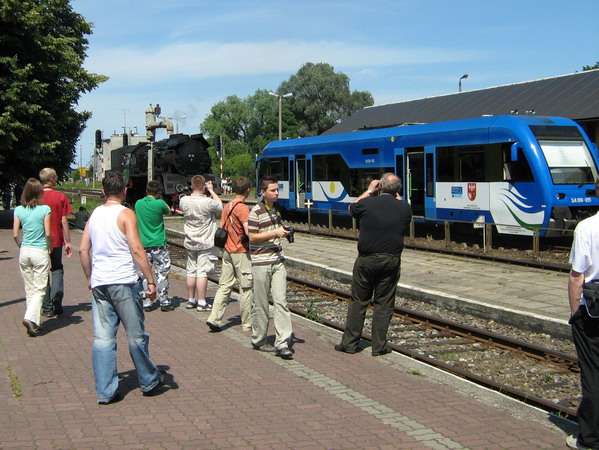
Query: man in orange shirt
{"points": [[236, 261], [59, 224]]}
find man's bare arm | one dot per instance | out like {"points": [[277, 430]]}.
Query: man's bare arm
{"points": [[575, 282], [66, 233], [84, 255]]}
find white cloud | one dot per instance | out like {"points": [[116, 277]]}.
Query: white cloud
{"points": [[187, 61]]}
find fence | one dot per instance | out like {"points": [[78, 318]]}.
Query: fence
{"points": [[487, 228]]}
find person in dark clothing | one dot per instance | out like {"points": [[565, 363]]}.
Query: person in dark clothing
{"points": [[584, 319], [383, 220], [81, 217]]}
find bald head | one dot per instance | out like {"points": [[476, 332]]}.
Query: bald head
{"points": [[390, 184]]}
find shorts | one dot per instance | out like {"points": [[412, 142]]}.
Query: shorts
{"points": [[199, 262]]}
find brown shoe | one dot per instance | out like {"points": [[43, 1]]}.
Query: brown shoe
{"points": [[31, 327]]}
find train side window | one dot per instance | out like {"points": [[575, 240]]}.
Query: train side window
{"points": [[370, 151], [472, 164], [285, 172], [446, 164], [430, 179], [361, 178], [327, 167], [516, 171], [275, 168]]}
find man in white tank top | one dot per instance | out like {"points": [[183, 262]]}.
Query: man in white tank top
{"points": [[111, 251]]}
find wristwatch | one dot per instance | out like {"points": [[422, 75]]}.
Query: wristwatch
{"points": [[369, 192]]}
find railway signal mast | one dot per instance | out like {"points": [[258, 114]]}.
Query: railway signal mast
{"points": [[151, 124]]}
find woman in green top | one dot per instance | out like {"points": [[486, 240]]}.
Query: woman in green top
{"points": [[35, 245]]}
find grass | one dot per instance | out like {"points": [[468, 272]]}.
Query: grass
{"points": [[548, 378], [15, 385], [312, 313]]}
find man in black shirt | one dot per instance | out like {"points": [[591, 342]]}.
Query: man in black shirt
{"points": [[383, 222]]}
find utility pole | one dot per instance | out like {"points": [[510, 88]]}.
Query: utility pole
{"points": [[220, 152]]}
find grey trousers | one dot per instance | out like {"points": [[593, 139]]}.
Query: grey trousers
{"points": [[270, 279]]}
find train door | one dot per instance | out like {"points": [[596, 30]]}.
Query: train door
{"points": [[303, 178], [430, 207], [399, 170], [292, 185], [415, 183]]}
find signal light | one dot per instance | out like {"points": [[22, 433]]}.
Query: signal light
{"points": [[218, 145], [98, 138]]}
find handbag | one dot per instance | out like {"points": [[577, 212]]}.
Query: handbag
{"points": [[221, 235]]}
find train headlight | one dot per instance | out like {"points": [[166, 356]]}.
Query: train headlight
{"points": [[560, 196]]}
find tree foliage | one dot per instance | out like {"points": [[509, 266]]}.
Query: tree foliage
{"points": [[245, 126], [596, 66], [42, 49], [322, 98]]}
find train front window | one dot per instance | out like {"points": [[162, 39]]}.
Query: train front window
{"points": [[569, 161], [274, 168]]}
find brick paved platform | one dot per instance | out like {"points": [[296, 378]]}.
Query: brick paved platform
{"points": [[223, 394]]}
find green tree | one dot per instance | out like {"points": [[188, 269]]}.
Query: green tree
{"points": [[245, 126], [322, 98], [42, 49], [596, 66]]}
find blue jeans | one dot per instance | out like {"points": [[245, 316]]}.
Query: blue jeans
{"points": [[55, 287], [112, 304]]}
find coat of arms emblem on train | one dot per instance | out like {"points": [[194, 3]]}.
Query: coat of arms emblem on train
{"points": [[471, 191]]}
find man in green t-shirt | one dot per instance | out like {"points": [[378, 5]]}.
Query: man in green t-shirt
{"points": [[150, 212]]}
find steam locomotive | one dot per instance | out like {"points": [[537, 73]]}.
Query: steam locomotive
{"points": [[176, 160]]}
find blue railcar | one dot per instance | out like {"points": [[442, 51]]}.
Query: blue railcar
{"points": [[517, 172]]}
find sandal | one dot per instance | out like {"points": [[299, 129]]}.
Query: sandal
{"points": [[206, 307]]}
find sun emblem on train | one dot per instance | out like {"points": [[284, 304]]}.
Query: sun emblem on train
{"points": [[471, 191]]}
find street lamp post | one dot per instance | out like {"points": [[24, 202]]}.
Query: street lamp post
{"points": [[280, 110], [460, 83]]}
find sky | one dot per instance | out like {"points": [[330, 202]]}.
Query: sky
{"points": [[188, 55]]}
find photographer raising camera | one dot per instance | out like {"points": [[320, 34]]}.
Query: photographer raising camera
{"points": [[384, 219]]}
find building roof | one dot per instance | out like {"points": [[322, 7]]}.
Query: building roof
{"points": [[575, 96]]}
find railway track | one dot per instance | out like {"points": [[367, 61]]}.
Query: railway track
{"points": [[94, 193], [436, 341], [531, 373]]}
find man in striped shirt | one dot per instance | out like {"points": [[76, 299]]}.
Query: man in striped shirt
{"points": [[269, 273]]}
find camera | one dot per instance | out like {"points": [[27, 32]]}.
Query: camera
{"points": [[290, 236]]}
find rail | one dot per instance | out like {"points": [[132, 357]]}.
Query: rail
{"points": [[557, 361]]}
